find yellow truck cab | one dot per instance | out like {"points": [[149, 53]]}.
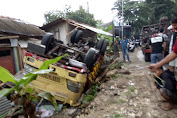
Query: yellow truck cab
{"points": [[70, 77]]}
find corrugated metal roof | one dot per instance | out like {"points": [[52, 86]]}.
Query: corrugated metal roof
{"points": [[99, 31], [18, 27], [96, 30], [5, 105]]}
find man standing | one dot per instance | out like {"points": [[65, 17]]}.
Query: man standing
{"points": [[173, 64], [124, 46], [116, 46], [157, 46]]}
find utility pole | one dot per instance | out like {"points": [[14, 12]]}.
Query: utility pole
{"points": [[87, 7], [122, 19]]}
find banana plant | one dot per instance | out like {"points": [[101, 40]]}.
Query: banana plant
{"points": [[20, 85]]}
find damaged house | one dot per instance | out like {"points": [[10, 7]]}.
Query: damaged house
{"points": [[14, 35], [62, 29]]}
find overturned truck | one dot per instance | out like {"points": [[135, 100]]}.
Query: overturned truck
{"points": [[72, 75]]}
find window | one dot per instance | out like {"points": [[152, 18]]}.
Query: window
{"points": [[5, 53], [5, 41]]}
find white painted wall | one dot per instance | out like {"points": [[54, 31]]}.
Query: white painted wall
{"points": [[61, 30]]}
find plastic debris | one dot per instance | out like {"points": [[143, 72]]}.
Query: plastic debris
{"points": [[45, 113]]}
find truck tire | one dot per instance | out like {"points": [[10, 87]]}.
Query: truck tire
{"points": [[104, 46], [90, 57], [46, 38], [73, 34], [99, 44], [78, 36], [48, 41]]}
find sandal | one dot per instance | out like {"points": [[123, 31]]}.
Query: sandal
{"points": [[162, 100], [166, 108]]}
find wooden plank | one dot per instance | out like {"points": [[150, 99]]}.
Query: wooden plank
{"points": [[5, 45], [106, 70], [20, 57], [70, 32], [66, 29], [77, 25], [9, 37]]}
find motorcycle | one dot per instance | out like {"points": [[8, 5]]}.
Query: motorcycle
{"points": [[131, 45]]}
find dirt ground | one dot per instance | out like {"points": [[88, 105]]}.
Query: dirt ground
{"points": [[128, 95]]}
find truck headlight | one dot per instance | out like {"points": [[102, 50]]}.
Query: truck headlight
{"points": [[29, 68], [74, 86]]}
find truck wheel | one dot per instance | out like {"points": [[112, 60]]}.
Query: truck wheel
{"points": [[78, 36], [146, 57], [99, 44], [104, 46], [48, 41], [90, 57], [46, 38], [73, 34]]}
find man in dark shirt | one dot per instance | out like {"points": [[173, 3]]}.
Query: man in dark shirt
{"points": [[169, 57], [157, 46], [167, 87]]}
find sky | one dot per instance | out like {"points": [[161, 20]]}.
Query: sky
{"points": [[32, 11]]}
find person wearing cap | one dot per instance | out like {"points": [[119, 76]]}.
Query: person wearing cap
{"points": [[157, 46]]}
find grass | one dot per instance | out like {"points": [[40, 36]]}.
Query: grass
{"points": [[132, 88], [116, 66], [116, 116], [114, 77], [91, 95], [128, 93], [113, 102], [128, 78], [121, 101]]}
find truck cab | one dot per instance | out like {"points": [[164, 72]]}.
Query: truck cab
{"points": [[72, 75]]}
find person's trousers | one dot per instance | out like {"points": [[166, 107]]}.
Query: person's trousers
{"points": [[125, 51], [156, 57]]}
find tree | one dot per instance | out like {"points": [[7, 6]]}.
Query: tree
{"points": [[55, 14], [136, 13], [80, 15], [146, 12], [161, 8], [52, 15]]}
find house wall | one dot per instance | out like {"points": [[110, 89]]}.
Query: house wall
{"points": [[7, 61], [62, 30], [86, 33], [69, 28], [59, 32]]}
